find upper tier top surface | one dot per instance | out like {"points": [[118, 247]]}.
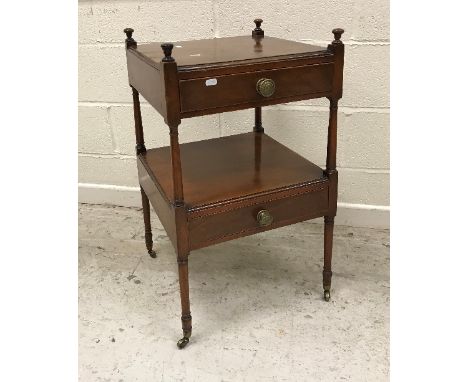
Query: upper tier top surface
{"points": [[228, 49]]}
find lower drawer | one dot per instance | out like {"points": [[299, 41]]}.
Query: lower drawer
{"points": [[247, 220]]}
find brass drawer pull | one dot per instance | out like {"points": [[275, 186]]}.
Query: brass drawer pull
{"points": [[264, 218], [265, 87]]}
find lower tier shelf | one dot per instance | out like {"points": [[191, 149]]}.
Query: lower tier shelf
{"points": [[234, 186]]}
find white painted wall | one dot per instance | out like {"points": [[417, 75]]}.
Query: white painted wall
{"points": [[107, 168]]}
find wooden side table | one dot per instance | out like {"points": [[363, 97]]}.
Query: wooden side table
{"points": [[220, 189]]}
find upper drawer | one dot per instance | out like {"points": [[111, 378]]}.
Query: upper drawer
{"points": [[237, 89]]}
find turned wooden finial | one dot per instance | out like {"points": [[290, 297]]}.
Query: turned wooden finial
{"points": [[129, 41], [337, 32], [167, 49], [258, 31]]}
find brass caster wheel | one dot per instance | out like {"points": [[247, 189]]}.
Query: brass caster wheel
{"points": [[326, 295], [182, 342], [152, 254]]}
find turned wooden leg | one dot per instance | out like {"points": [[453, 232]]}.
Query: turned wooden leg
{"points": [[327, 251], [185, 301], [258, 128], [146, 218]]}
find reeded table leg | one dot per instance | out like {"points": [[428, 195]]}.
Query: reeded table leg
{"points": [[186, 317], [146, 218], [327, 250]]}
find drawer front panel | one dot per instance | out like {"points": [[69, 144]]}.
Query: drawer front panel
{"points": [[237, 89], [227, 225]]}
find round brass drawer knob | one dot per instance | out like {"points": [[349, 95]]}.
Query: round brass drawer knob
{"points": [[264, 218], [265, 87]]}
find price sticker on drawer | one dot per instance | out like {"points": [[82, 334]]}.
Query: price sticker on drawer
{"points": [[211, 82]]}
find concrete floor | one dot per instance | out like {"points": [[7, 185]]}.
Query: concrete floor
{"points": [[257, 307]]}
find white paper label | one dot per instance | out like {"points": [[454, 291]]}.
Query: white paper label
{"points": [[211, 82]]}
